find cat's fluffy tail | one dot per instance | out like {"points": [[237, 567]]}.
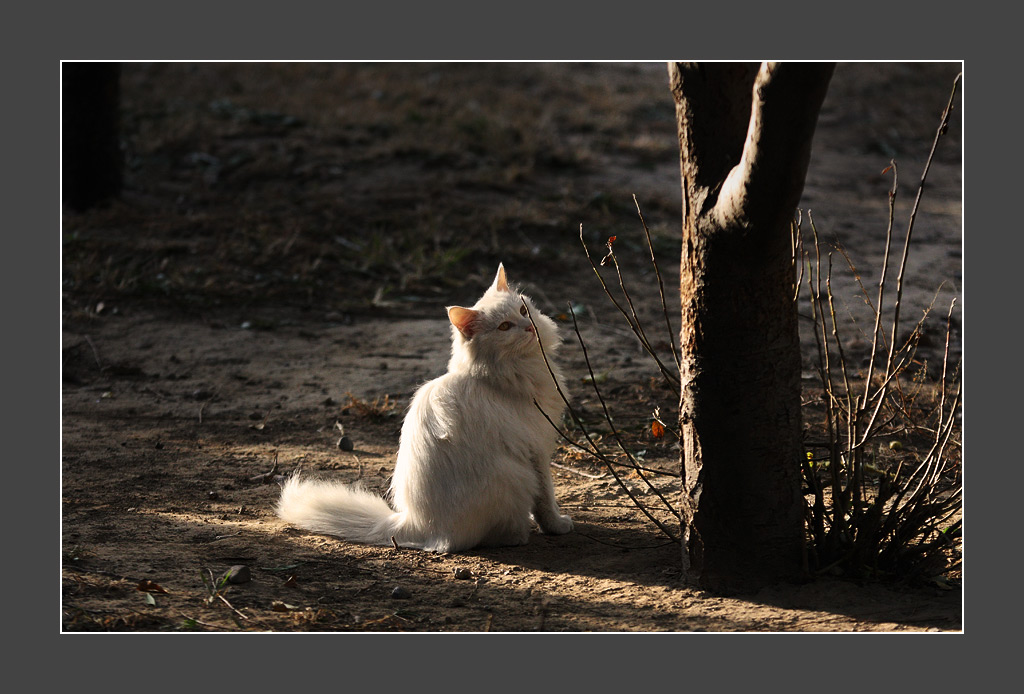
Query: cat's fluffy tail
{"points": [[336, 509]]}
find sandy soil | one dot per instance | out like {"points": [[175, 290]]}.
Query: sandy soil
{"points": [[274, 279]]}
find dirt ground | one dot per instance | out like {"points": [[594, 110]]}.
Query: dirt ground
{"points": [[273, 278]]}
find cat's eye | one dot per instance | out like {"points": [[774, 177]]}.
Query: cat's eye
{"points": [[505, 326], [522, 310]]}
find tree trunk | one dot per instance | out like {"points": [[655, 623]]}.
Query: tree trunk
{"points": [[745, 137], [90, 148]]}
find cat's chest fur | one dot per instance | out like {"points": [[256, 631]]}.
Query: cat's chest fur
{"points": [[467, 410], [526, 413]]}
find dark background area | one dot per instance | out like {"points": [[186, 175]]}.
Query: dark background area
{"points": [[322, 186]]}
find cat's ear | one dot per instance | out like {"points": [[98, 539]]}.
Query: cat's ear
{"points": [[465, 319], [500, 283]]}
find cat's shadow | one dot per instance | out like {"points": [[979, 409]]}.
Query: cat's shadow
{"points": [[638, 555]]}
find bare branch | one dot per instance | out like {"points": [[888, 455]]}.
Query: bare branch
{"points": [[661, 288], [635, 327], [579, 423]]}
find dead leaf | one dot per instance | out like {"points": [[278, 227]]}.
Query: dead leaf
{"points": [[147, 586], [611, 253]]}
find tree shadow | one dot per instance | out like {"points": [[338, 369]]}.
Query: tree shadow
{"points": [[639, 555], [645, 557]]}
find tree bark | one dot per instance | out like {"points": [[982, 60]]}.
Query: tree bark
{"points": [[90, 146], [745, 136]]}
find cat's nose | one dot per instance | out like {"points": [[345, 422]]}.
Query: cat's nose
{"points": [[530, 329]]}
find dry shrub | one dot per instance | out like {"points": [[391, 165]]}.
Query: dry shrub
{"points": [[883, 483]]}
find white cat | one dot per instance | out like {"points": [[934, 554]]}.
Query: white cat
{"points": [[473, 464]]}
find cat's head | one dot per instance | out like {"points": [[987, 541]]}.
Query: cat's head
{"points": [[499, 324]]}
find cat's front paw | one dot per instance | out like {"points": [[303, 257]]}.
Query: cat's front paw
{"points": [[559, 525]]}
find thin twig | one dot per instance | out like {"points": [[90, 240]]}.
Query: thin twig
{"points": [[661, 289], [576, 471], [615, 544], [95, 353], [224, 537], [202, 623], [853, 460], [796, 243], [945, 359], [825, 371], [268, 476], [913, 213], [225, 601], [881, 284], [672, 380], [637, 330], [576, 418], [615, 432], [203, 407], [586, 506], [595, 452]]}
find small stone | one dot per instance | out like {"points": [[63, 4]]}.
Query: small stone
{"points": [[213, 496], [463, 574], [239, 573], [400, 593], [202, 394], [345, 444]]}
